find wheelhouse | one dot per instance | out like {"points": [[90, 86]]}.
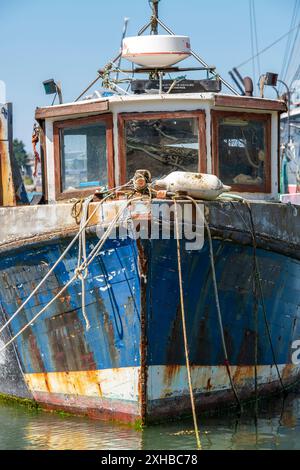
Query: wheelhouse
{"points": [[101, 143]]}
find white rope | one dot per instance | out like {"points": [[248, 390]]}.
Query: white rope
{"points": [[82, 258], [48, 273], [77, 273], [38, 314], [58, 261]]}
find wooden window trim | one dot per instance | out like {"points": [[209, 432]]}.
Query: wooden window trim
{"points": [[123, 117], [43, 160], [250, 103], [246, 188], [57, 126]]}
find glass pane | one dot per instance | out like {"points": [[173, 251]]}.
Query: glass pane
{"points": [[290, 132], [242, 151], [162, 145], [83, 157]]}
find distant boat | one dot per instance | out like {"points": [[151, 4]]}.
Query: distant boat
{"points": [[290, 148]]}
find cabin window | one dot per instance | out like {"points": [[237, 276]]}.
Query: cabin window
{"points": [[162, 143], [83, 157], [242, 150], [82, 149]]}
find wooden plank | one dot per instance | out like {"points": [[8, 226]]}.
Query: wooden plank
{"points": [[250, 103], [7, 189], [202, 142], [72, 109], [122, 149], [43, 160]]}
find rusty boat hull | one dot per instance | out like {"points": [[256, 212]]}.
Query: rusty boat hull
{"points": [[129, 365]]}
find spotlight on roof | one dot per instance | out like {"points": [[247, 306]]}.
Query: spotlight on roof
{"points": [[52, 87], [271, 79]]}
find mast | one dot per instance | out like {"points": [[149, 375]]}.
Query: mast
{"points": [[7, 189], [154, 18], [155, 21], [153, 25]]}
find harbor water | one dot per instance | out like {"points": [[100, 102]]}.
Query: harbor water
{"points": [[278, 427]]}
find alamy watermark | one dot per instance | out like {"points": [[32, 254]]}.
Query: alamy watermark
{"points": [[156, 221]]}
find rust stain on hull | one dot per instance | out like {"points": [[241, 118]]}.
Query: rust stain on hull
{"points": [[211, 386], [101, 409], [170, 374], [143, 373], [109, 394], [78, 383]]}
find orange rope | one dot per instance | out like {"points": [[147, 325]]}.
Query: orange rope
{"points": [[35, 140]]}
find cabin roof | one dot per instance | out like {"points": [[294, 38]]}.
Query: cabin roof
{"points": [[103, 105]]}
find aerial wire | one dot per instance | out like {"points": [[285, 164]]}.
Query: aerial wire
{"points": [[289, 47], [265, 49], [256, 37], [290, 61], [252, 39], [289, 66], [288, 43]]}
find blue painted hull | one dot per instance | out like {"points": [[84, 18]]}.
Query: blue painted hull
{"points": [[130, 365], [234, 268]]}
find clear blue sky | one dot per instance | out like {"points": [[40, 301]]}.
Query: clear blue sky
{"points": [[70, 39]]}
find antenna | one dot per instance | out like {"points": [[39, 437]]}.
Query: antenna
{"points": [[154, 18], [126, 20], [153, 25]]}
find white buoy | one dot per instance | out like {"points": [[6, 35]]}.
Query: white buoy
{"points": [[197, 185], [156, 51]]}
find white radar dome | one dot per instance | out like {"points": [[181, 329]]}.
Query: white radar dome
{"points": [[156, 51]]}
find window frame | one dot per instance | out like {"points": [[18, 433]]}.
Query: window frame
{"points": [[124, 117], [266, 187], [78, 122]]}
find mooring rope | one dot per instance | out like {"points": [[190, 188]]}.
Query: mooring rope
{"points": [[84, 265], [186, 348], [252, 232], [217, 300], [230, 198], [82, 256], [13, 345], [261, 293], [62, 256]]}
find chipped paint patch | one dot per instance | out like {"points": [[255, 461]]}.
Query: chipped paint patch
{"points": [[171, 381]]}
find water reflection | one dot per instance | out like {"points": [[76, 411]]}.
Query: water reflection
{"points": [[278, 427]]}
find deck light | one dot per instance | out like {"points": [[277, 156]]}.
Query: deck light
{"points": [[271, 79], [52, 87]]}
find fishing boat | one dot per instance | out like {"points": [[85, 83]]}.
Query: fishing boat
{"points": [[290, 147], [101, 322]]}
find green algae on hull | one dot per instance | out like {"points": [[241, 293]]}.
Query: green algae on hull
{"points": [[13, 400]]}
